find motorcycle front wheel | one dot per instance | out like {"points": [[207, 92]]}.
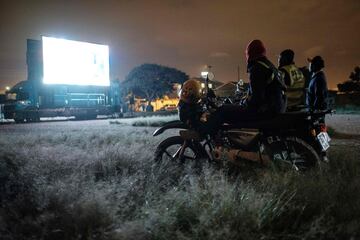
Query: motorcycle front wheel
{"points": [[291, 153], [175, 149]]}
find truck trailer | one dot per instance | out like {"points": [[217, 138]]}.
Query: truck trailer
{"points": [[64, 78]]}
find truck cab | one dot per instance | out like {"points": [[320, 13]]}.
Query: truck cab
{"points": [[24, 102], [40, 96], [18, 104]]}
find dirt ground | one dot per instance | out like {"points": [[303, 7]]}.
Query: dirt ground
{"points": [[344, 123]]}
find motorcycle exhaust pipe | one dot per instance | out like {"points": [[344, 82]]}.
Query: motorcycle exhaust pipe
{"points": [[235, 155]]}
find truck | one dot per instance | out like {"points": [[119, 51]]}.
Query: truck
{"points": [[65, 78]]}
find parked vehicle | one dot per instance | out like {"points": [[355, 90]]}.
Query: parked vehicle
{"points": [[169, 107], [293, 140], [87, 94]]}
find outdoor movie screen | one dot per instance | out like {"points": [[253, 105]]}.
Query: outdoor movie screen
{"points": [[75, 63]]}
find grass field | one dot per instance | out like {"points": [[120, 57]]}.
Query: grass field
{"points": [[97, 180]]}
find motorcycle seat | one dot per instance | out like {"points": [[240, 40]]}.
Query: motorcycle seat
{"points": [[288, 120]]}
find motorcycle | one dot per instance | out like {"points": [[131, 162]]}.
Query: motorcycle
{"points": [[292, 140]]}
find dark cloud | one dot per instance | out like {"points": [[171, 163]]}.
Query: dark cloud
{"points": [[186, 34]]}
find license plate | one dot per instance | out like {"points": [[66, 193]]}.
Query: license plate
{"points": [[324, 140]]}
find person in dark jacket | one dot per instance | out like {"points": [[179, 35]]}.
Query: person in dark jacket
{"points": [[294, 80], [266, 95], [266, 84], [316, 98], [266, 90]]}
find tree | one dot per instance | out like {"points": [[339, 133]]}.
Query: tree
{"points": [[151, 80], [353, 84], [355, 75]]}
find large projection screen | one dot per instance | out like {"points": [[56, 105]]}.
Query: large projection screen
{"points": [[75, 63]]}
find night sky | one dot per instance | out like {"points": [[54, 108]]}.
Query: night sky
{"points": [[186, 34]]}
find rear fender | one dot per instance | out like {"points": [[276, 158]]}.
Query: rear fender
{"points": [[170, 125]]}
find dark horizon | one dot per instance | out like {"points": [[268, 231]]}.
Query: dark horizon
{"points": [[187, 34]]}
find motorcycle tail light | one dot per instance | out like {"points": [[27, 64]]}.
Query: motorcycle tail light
{"points": [[323, 128]]}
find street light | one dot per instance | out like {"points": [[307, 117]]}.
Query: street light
{"points": [[207, 74], [7, 88], [204, 74]]}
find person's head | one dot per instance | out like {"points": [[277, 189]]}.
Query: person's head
{"points": [[316, 64], [254, 50], [286, 57], [190, 91]]}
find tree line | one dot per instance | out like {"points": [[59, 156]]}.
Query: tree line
{"points": [[151, 81], [353, 83]]}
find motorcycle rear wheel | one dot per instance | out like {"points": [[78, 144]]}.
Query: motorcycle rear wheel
{"points": [[292, 153]]}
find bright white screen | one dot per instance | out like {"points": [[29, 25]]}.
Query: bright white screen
{"points": [[75, 63]]}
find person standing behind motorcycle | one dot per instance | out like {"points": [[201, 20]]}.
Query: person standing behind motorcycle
{"points": [[294, 80], [316, 98]]}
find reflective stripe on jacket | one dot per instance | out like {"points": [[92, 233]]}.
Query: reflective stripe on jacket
{"points": [[266, 95], [295, 81]]}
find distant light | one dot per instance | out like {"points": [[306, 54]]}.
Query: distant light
{"points": [[7, 88], [202, 85], [204, 74], [210, 85]]}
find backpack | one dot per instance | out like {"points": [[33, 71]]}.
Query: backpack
{"points": [[277, 75], [276, 87]]}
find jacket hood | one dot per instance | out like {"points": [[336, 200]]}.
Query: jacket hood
{"points": [[254, 50]]}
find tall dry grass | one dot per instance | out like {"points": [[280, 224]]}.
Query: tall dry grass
{"points": [[152, 121], [95, 180]]}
